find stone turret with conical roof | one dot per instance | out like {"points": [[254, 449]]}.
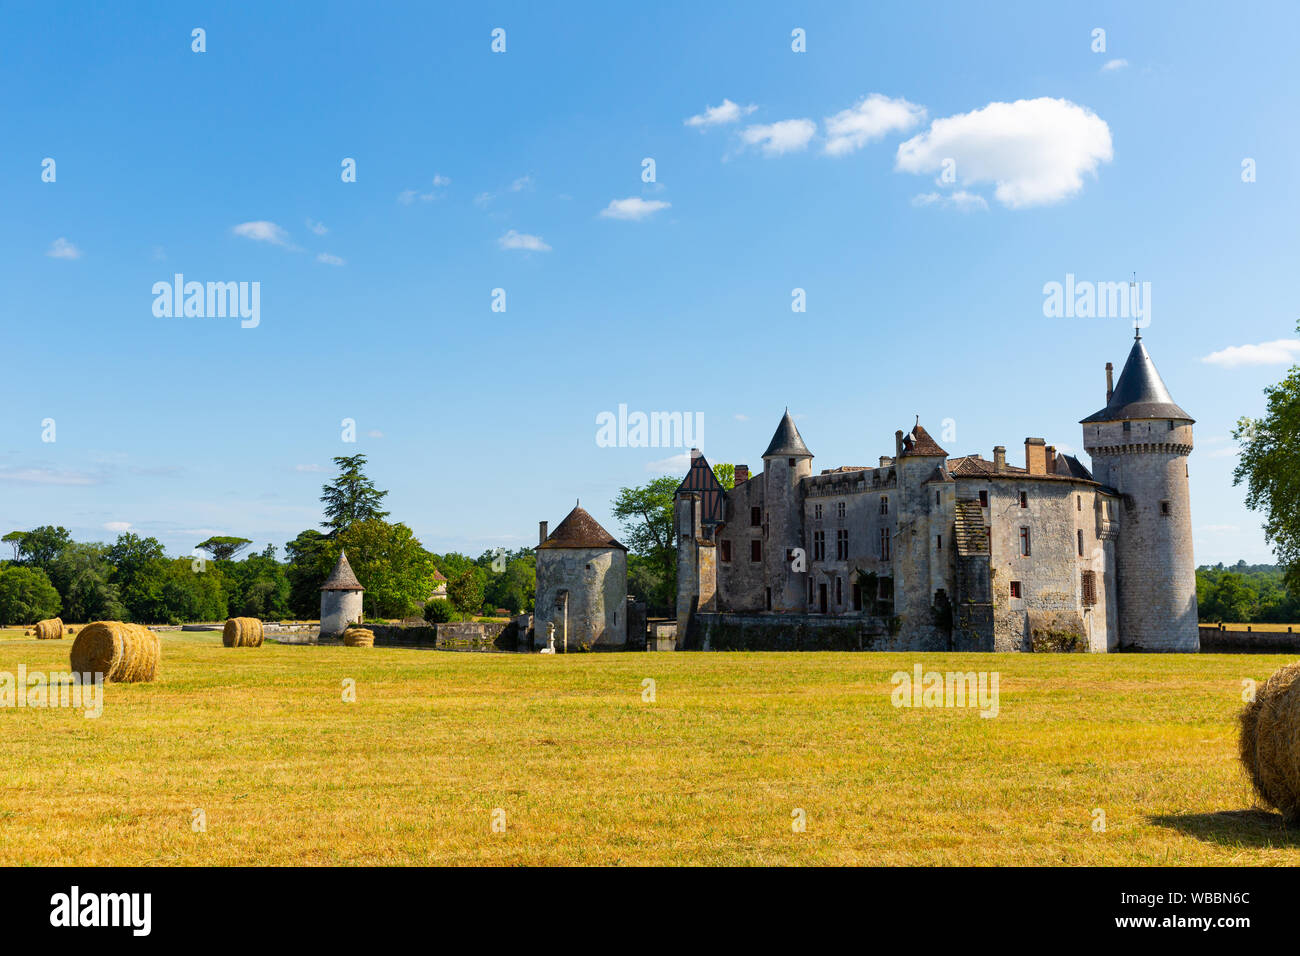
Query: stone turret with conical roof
{"points": [[340, 599], [581, 585], [786, 463], [1139, 443]]}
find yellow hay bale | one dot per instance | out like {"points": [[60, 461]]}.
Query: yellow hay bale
{"points": [[121, 652], [242, 632], [358, 637], [1269, 743], [27, 633], [49, 630]]}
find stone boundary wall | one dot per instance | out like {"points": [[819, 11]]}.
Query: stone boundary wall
{"points": [[786, 632], [1215, 641], [456, 636]]}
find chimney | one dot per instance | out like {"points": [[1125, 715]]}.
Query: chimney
{"points": [[999, 458], [898, 444], [1110, 381], [541, 532], [1051, 459], [742, 473], [1036, 456]]}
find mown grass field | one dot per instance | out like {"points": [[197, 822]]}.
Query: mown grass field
{"points": [[287, 773]]}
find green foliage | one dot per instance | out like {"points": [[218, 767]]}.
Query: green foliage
{"points": [[645, 516], [83, 576], [1058, 642], [646, 581], [307, 566], [726, 475], [351, 497], [42, 547], [515, 587], [1270, 467], [258, 587], [390, 563], [1245, 594], [130, 553], [465, 591], [224, 547], [171, 591], [439, 611], [14, 539], [26, 596]]}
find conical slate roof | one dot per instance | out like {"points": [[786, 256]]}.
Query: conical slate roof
{"points": [[580, 530], [342, 578], [787, 443], [1139, 393]]}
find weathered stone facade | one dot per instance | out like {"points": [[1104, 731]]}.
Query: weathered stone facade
{"points": [[939, 553], [581, 586]]}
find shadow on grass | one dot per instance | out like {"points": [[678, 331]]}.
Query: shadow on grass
{"points": [[1242, 828]]}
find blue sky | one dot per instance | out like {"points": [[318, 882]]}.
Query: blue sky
{"points": [[479, 170]]}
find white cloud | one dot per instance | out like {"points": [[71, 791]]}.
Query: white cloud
{"points": [[317, 227], [1111, 65], [330, 260], [1035, 151], [741, 418], [482, 199], [441, 180], [633, 208], [724, 112], [785, 136], [407, 196], [959, 200], [1277, 352], [309, 468], [263, 231], [48, 476], [118, 526], [374, 433], [523, 182], [873, 118], [60, 248], [677, 464], [522, 240]]}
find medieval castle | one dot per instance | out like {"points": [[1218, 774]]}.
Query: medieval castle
{"points": [[928, 552]]}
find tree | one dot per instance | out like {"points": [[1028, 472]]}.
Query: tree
{"points": [[84, 579], [40, 548], [351, 497], [306, 568], [465, 592], [173, 592], [1270, 467], [224, 547], [130, 553], [14, 538], [26, 596], [439, 611], [726, 475], [390, 563], [645, 516]]}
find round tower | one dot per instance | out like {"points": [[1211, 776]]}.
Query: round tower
{"points": [[581, 585], [340, 599], [786, 463], [1139, 445]]}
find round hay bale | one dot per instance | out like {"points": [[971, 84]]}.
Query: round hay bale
{"points": [[127, 653], [27, 633], [49, 630], [1270, 742], [242, 632], [358, 637]]}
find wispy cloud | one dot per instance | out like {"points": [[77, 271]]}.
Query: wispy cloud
{"points": [[633, 208], [1035, 152], [959, 200], [776, 139], [316, 227], [673, 465], [724, 112], [522, 183], [522, 240], [330, 260], [119, 526], [1277, 352], [49, 476], [1111, 66], [60, 248], [408, 197], [309, 468], [873, 118], [261, 230]]}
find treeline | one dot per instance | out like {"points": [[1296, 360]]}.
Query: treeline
{"points": [[1245, 594], [134, 579]]}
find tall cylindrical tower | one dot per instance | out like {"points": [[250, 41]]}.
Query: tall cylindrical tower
{"points": [[1139, 445], [786, 463]]}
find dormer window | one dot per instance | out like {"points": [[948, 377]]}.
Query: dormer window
{"points": [[1128, 426], [790, 462]]}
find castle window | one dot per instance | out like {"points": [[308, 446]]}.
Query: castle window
{"points": [[842, 544], [1128, 426], [1024, 541], [1078, 502], [1088, 583], [817, 511], [726, 552], [755, 517], [984, 499], [936, 497], [790, 462], [810, 591], [839, 509], [938, 542], [1164, 508], [1080, 534], [1024, 499], [1015, 589], [884, 504], [819, 545], [1171, 426], [756, 550], [884, 544], [839, 591]]}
